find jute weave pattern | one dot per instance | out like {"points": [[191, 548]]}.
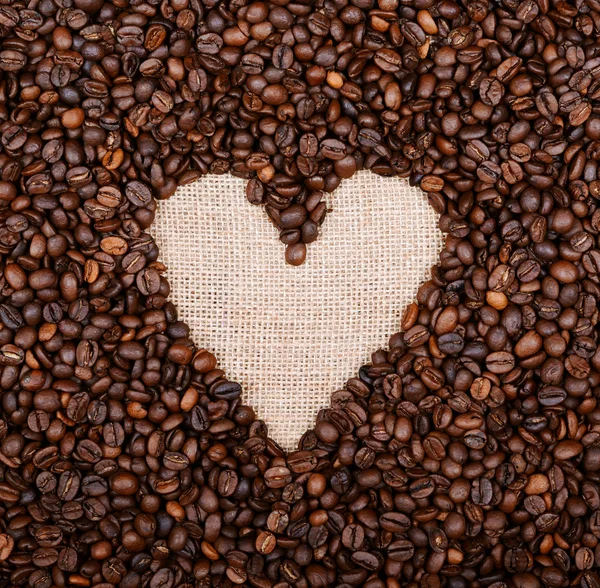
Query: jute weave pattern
{"points": [[293, 335]]}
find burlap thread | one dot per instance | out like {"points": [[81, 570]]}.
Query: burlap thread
{"points": [[292, 336]]}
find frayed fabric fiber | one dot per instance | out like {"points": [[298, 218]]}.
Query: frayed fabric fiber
{"points": [[293, 335]]}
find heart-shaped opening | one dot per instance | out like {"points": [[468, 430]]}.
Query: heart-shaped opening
{"points": [[292, 336]]}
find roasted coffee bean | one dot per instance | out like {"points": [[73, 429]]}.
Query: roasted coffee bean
{"points": [[401, 550], [7, 544], [11, 60], [353, 537]]}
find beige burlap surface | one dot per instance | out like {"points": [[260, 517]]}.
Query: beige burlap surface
{"points": [[293, 335]]}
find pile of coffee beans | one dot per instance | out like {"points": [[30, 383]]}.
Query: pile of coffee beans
{"points": [[467, 454]]}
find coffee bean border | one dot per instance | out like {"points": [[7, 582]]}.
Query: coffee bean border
{"points": [[466, 454]]}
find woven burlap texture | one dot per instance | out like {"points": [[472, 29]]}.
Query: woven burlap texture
{"points": [[293, 335]]}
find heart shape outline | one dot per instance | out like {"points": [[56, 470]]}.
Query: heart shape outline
{"points": [[248, 307]]}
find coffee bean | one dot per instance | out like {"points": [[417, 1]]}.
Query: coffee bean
{"points": [[11, 60], [395, 522], [148, 281], [138, 193], [6, 546], [292, 217], [277, 477], [366, 560], [353, 537], [265, 542], [401, 550], [295, 254]]}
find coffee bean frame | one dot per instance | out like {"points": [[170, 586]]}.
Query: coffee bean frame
{"points": [[465, 454]]}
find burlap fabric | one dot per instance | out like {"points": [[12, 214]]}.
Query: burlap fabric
{"points": [[293, 335]]}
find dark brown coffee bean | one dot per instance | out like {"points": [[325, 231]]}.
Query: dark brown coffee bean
{"points": [[12, 61], [401, 550]]}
